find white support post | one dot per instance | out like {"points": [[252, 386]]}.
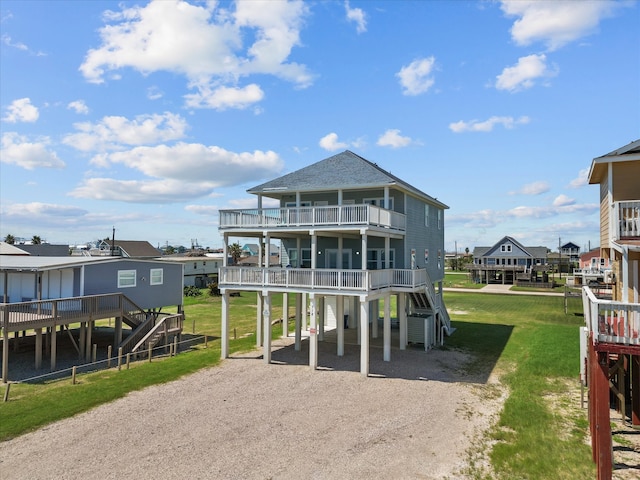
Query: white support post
{"points": [[340, 324], [313, 333], [387, 329], [225, 250], [224, 347], [258, 319], [285, 315], [364, 342], [402, 319], [298, 322], [267, 327], [304, 311]]}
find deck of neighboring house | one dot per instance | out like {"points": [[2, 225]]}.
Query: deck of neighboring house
{"points": [[147, 328]]}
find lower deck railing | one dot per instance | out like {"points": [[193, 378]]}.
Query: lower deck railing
{"points": [[325, 279], [611, 321]]}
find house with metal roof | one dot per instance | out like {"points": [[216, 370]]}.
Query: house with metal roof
{"points": [[508, 261], [352, 235], [55, 292]]}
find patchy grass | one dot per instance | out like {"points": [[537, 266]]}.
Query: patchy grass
{"points": [[535, 347]]}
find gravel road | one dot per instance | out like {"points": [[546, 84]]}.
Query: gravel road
{"points": [[413, 418]]}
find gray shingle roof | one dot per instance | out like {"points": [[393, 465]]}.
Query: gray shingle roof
{"points": [[346, 171]]}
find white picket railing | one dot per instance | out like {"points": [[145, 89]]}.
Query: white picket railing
{"points": [[326, 279], [611, 321], [336, 215], [627, 219]]}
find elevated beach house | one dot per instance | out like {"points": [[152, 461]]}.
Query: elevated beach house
{"points": [[508, 262], [611, 344], [352, 235]]}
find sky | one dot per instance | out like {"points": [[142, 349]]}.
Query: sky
{"points": [[149, 117]]}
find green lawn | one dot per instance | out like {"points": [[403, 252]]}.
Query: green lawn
{"points": [[535, 348], [528, 340]]}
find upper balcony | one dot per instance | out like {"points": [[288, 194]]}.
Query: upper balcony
{"points": [[626, 220], [313, 217]]}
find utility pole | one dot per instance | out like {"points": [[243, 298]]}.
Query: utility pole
{"points": [[559, 257]]}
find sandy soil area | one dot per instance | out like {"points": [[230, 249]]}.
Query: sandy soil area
{"points": [[416, 417]]}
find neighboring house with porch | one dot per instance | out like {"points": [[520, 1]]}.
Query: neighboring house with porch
{"points": [[570, 251], [611, 342], [509, 262], [49, 292], [352, 234]]}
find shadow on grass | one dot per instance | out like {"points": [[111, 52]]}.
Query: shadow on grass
{"points": [[469, 355]]}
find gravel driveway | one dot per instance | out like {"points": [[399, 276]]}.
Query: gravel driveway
{"points": [[414, 417]]}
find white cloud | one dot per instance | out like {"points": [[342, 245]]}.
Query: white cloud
{"points": [[223, 98], [534, 188], [487, 125], [154, 93], [524, 74], [206, 210], [555, 23], [21, 110], [205, 43], [563, 201], [581, 180], [79, 107], [6, 39], [114, 131], [392, 138], [177, 173], [140, 191], [330, 142], [356, 15], [19, 150], [417, 78], [42, 209]]}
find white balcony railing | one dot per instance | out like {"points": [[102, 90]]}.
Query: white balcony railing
{"points": [[626, 219], [321, 279], [611, 321], [320, 216]]}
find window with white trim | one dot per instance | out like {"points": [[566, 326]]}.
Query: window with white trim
{"points": [[440, 219], [126, 278], [505, 248], [426, 215], [156, 276]]}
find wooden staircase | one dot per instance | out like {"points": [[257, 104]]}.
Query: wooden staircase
{"points": [[148, 328]]}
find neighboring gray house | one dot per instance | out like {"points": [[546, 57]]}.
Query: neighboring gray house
{"points": [[199, 271], [352, 234], [507, 262], [50, 292]]}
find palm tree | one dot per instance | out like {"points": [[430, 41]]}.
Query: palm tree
{"points": [[36, 240], [10, 239], [235, 250]]}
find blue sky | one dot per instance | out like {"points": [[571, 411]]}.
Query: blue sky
{"points": [[149, 117]]}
